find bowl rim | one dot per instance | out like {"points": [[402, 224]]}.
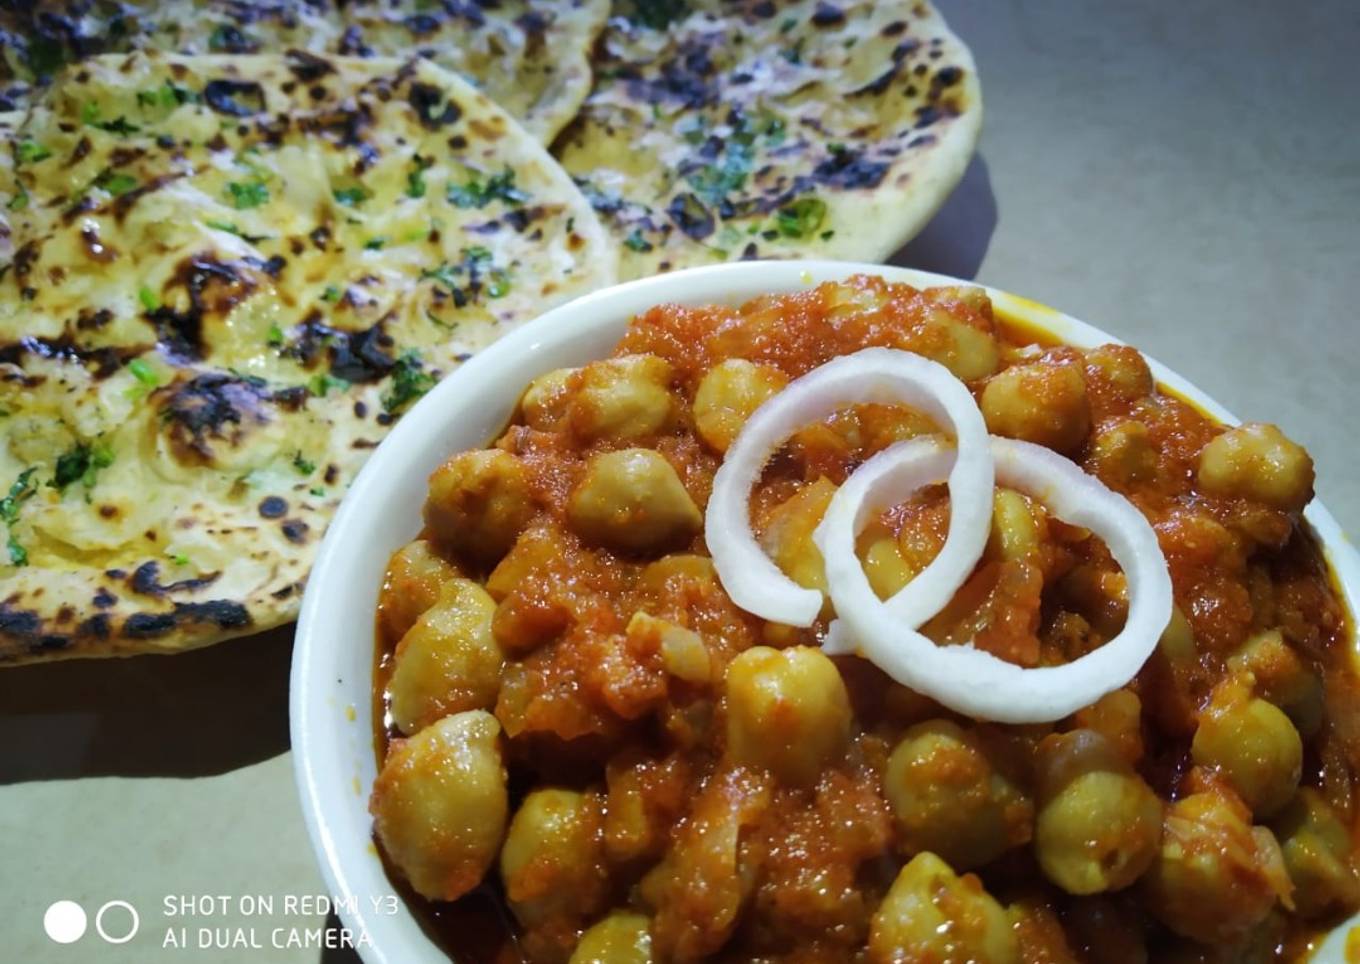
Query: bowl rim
{"points": [[318, 721]]}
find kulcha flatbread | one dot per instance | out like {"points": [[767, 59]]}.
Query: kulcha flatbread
{"points": [[763, 129], [529, 56], [230, 275]]}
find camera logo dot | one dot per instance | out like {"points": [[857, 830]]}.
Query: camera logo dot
{"points": [[116, 922], [65, 922], [133, 922]]}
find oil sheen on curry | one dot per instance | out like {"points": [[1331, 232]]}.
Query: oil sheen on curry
{"points": [[591, 753]]}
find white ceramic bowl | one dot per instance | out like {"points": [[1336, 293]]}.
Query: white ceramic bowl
{"points": [[332, 675]]}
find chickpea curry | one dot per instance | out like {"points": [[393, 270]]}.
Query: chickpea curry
{"points": [[584, 730]]}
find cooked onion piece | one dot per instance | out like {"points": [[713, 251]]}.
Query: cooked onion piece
{"points": [[962, 678], [874, 375]]}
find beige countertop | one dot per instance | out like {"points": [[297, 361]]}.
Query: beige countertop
{"points": [[1186, 177]]}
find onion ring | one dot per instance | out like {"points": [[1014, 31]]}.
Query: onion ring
{"points": [[965, 679], [874, 375]]}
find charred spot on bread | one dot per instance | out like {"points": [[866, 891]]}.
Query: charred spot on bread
{"points": [[234, 98]]}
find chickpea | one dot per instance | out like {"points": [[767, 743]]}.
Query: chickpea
{"points": [[1282, 678], [1015, 532], [1253, 744], [976, 352], [969, 352], [621, 938], [1176, 677], [1318, 854], [1177, 642], [448, 661], [948, 798], [439, 804], [680, 567], [970, 297], [727, 396], [1215, 877], [632, 500], [415, 575], [1123, 454], [1098, 824], [1040, 402], [546, 399], [1257, 462], [1117, 716], [1038, 931], [1122, 369], [930, 914], [478, 504], [787, 712], [550, 863], [884, 565], [622, 398], [683, 652], [788, 534]]}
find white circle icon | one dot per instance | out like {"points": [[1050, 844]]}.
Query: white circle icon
{"points": [[65, 922], [132, 929]]}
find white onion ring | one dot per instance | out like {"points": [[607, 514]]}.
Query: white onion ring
{"points": [[878, 375], [968, 680]]}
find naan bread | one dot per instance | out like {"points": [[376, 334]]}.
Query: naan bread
{"points": [[230, 275], [768, 130], [529, 56]]}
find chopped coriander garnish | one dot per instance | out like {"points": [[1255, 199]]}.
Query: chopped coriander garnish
{"points": [[275, 337], [30, 152], [248, 194], [20, 492], [449, 326], [323, 382], [303, 466], [82, 463], [143, 372], [448, 276], [331, 294], [166, 96], [475, 194], [713, 182], [349, 196], [498, 284], [800, 218], [476, 254], [317, 491], [415, 180], [226, 226], [116, 182], [19, 201], [148, 299], [178, 558], [636, 242], [89, 115], [409, 382], [827, 235], [374, 244], [787, 24]]}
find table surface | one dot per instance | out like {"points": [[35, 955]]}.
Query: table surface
{"points": [[1184, 176]]}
